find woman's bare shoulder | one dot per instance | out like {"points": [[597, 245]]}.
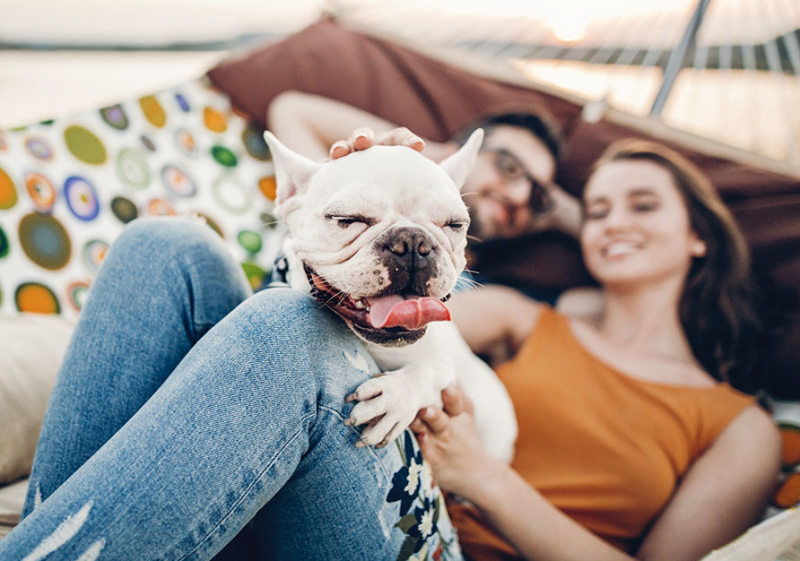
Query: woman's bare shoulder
{"points": [[752, 427], [583, 302]]}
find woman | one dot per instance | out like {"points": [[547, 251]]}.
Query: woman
{"points": [[626, 431]]}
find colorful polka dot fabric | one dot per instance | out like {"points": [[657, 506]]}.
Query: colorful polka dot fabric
{"points": [[69, 186]]}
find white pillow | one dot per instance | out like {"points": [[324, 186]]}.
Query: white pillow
{"points": [[31, 349]]}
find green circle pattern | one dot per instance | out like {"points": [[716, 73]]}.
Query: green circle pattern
{"points": [[132, 168], [45, 241], [250, 241], [85, 146], [124, 209], [224, 156], [4, 245], [129, 164], [255, 274], [253, 141]]}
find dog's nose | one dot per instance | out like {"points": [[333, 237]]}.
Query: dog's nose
{"points": [[409, 255], [409, 244]]}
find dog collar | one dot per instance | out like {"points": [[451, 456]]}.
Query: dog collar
{"points": [[280, 273]]}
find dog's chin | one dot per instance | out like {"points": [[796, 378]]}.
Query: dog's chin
{"points": [[388, 337]]}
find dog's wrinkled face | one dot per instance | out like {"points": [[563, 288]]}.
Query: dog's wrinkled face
{"points": [[378, 236]]}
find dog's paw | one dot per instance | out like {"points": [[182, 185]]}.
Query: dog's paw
{"points": [[386, 405]]}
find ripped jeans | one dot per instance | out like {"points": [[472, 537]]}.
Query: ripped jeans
{"points": [[187, 409]]}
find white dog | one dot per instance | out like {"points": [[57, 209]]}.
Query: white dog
{"points": [[379, 237]]}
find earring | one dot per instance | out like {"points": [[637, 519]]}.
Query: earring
{"points": [[699, 248]]}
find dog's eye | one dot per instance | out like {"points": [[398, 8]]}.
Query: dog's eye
{"points": [[455, 225], [345, 221]]}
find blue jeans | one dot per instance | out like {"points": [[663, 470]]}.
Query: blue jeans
{"points": [[186, 408]]}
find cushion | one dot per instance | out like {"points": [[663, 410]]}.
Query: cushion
{"points": [[69, 186], [431, 98], [12, 500], [787, 494], [435, 99], [31, 348]]}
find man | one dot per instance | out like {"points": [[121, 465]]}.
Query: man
{"points": [[511, 191]]}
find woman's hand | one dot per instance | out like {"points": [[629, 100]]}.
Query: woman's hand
{"points": [[450, 444]]}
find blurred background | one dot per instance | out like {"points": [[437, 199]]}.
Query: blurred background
{"points": [[727, 70]]}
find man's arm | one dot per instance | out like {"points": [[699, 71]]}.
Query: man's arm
{"points": [[310, 124]]}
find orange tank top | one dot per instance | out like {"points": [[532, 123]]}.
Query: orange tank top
{"points": [[605, 448]]}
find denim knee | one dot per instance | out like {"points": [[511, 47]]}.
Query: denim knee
{"points": [[311, 337], [182, 257], [166, 237], [293, 316]]}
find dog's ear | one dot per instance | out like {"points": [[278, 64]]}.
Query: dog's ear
{"points": [[459, 165], [292, 171]]}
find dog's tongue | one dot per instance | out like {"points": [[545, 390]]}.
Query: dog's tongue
{"points": [[412, 313]]}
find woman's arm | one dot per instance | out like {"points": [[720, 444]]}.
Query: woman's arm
{"points": [[722, 494], [719, 498], [493, 314], [536, 528]]}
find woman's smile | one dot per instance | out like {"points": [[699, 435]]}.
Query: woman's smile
{"points": [[621, 248]]}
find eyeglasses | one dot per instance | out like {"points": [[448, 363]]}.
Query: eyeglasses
{"points": [[512, 170]]}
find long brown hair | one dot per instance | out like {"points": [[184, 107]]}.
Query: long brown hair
{"points": [[719, 305]]}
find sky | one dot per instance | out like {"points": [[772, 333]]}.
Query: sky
{"points": [[144, 21], [37, 84]]}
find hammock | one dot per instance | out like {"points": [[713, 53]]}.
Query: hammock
{"points": [[68, 186], [724, 69]]}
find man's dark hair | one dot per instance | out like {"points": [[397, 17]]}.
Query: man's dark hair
{"points": [[537, 123]]}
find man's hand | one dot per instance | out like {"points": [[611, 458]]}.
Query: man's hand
{"points": [[563, 212], [363, 138]]}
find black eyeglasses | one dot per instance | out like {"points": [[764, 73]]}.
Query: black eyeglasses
{"points": [[512, 170]]}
